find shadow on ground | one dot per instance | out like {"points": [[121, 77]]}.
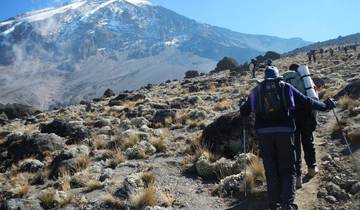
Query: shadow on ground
{"points": [[255, 201]]}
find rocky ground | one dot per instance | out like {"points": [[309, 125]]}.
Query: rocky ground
{"points": [[145, 149]]}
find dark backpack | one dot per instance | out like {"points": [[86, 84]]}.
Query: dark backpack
{"points": [[272, 101]]}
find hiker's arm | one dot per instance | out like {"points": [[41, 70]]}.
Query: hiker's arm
{"points": [[300, 98], [245, 107]]}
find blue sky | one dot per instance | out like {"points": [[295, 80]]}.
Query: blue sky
{"points": [[312, 20]]}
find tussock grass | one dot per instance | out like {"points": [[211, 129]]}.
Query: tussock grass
{"points": [[20, 184], [212, 157], [82, 162], [47, 200], [130, 141], [149, 179], [65, 180], [113, 202], [223, 104], [255, 173], [167, 200], [348, 103], [117, 158], [256, 168], [159, 144], [100, 143], [92, 185], [146, 197]]}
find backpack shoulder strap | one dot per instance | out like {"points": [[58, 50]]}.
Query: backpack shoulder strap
{"points": [[282, 88]]}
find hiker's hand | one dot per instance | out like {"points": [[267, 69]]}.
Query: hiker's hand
{"points": [[330, 103], [242, 101]]}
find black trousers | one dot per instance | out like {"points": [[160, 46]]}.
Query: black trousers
{"points": [[278, 151], [304, 137]]}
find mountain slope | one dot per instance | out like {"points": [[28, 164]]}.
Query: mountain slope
{"points": [[84, 47], [341, 40]]}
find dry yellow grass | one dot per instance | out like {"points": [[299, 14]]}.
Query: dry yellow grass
{"points": [[148, 179], [130, 141], [212, 89], [100, 143], [117, 158], [255, 173], [212, 157], [113, 202], [20, 184], [257, 170], [146, 197], [82, 162], [92, 185], [166, 200], [348, 103], [159, 144], [64, 180], [47, 199], [223, 104]]}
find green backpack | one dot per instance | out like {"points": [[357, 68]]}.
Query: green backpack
{"points": [[293, 78]]}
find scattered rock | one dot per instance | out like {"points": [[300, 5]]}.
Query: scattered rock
{"points": [[330, 199], [31, 165], [220, 168], [352, 90], [136, 97], [75, 131], [355, 188], [102, 123], [231, 185], [21, 204], [162, 115], [336, 191], [138, 122], [131, 184]]}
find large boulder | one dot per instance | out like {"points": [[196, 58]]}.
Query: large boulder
{"points": [[22, 146], [225, 135], [108, 93], [14, 111], [352, 90], [268, 55], [226, 63], [191, 74], [75, 131]]}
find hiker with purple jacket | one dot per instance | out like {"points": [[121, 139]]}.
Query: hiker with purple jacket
{"points": [[273, 102]]}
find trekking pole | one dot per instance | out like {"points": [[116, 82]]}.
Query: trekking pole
{"points": [[346, 141], [245, 159]]}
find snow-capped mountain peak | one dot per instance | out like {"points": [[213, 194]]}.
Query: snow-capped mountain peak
{"points": [[90, 45]]}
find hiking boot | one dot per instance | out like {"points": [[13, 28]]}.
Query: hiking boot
{"points": [[298, 182], [312, 171]]}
